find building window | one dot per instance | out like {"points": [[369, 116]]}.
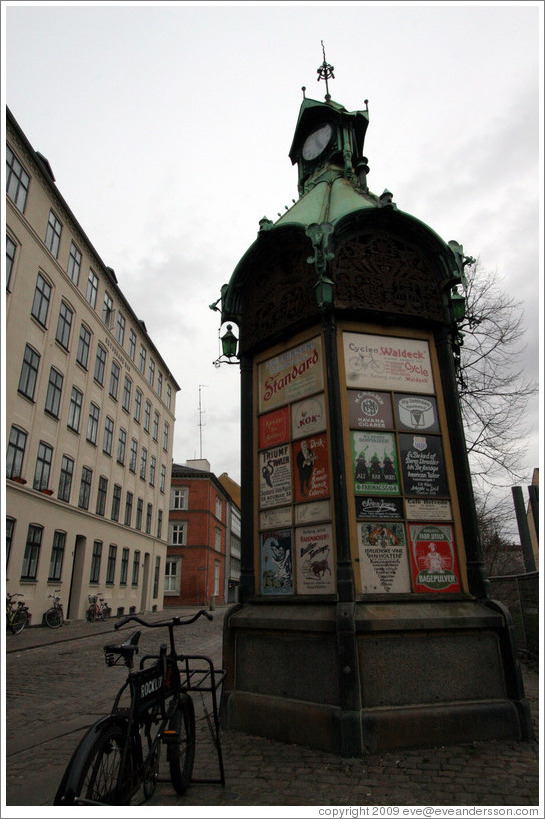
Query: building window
{"points": [[137, 405], [120, 328], [217, 539], [169, 395], [101, 495], [143, 463], [114, 380], [165, 437], [142, 359], [124, 567], [84, 345], [151, 371], [219, 508], [74, 264], [42, 297], [53, 234], [74, 409], [121, 446], [17, 180], [216, 578], [147, 416], [64, 325], [178, 534], [57, 556], [43, 466], [133, 455], [155, 425], [152, 471], [95, 561], [163, 478], [10, 528], [110, 569], [16, 453], [116, 501], [32, 552], [128, 509], [132, 344], [92, 423], [85, 487], [65, 479], [100, 365], [107, 308], [149, 512], [139, 510], [29, 373], [108, 436], [171, 576], [160, 384], [179, 497], [127, 386], [135, 568], [156, 577], [11, 250], [92, 288], [159, 523]]}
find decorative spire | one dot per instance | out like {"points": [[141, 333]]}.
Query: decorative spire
{"points": [[324, 73]]}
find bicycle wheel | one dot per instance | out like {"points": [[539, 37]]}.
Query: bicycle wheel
{"points": [[18, 621], [105, 613], [181, 753], [53, 617], [91, 614], [93, 775]]}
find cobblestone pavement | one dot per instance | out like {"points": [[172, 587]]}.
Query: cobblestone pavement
{"points": [[57, 684]]}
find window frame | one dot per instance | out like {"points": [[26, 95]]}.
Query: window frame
{"points": [[65, 479], [15, 468], [53, 233], [74, 410], [28, 377], [42, 470], [22, 179], [58, 548], [92, 288], [84, 497], [73, 268], [31, 557], [84, 346]]}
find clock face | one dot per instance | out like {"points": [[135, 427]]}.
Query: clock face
{"points": [[317, 141]]}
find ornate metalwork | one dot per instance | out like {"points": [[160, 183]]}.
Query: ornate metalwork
{"points": [[325, 72]]}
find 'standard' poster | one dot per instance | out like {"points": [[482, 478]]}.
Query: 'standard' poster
{"points": [[276, 562], [384, 563], [292, 375], [434, 561], [315, 560]]}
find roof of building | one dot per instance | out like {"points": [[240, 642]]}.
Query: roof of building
{"points": [[190, 472]]}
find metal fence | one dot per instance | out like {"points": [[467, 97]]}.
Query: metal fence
{"points": [[520, 593]]}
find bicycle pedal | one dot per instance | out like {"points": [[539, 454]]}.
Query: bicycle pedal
{"points": [[170, 736], [110, 658]]}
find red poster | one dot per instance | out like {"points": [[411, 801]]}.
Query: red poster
{"points": [[434, 562], [274, 428], [311, 469]]}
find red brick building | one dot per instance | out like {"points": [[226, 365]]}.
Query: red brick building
{"points": [[197, 537]]}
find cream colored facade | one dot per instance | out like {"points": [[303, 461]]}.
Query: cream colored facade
{"points": [[90, 413]]}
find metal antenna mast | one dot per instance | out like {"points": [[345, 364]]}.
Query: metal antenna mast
{"points": [[201, 424]]}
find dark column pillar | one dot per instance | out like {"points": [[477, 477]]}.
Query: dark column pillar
{"points": [[247, 573]]}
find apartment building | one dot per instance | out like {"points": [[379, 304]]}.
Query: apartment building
{"points": [[233, 568], [90, 412]]}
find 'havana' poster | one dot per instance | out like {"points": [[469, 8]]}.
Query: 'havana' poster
{"points": [[433, 558], [315, 560], [384, 362], [375, 466], [369, 410], [276, 562], [384, 564]]}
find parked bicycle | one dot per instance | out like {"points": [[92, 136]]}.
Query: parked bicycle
{"points": [[121, 752], [54, 616], [98, 608], [17, 613]]}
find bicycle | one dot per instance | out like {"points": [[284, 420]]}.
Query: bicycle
{"points": [[121, 752], [17, 613], [98, 608], [54, 616]]}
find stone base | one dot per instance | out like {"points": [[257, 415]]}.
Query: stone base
{"points": [[367, 677]]}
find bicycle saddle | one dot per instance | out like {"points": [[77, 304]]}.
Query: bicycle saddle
{"points": [[125, 650]]}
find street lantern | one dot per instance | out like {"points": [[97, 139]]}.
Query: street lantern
{"points": [[229, 343]]}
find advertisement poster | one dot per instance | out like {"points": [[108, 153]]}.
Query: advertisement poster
{"points": [[422, 465], [416, 413], [387, 363], [311, 469], [275, 476], [313, 512], [433, 558], [384, 564], [379, 508], [308, 417], [369, 410], [375, 463], [426, 509], [292, 375], [275, 518], [274, 428], [315, 560], [276, 562]]}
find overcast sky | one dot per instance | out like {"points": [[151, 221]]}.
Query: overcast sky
{"points": [[168, 128]]}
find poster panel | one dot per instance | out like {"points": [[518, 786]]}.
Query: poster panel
{"points": [[315, 560], [274, 428], [422, 465], [384, 563], [427, 509], [312, 512], [311, 468], [416, 413], [277, 562], [294, 374], [379, 508], [374, 460], [275, 518], [434, 562], [369, 410], [275, 476], [308, 417], [375, 362]]}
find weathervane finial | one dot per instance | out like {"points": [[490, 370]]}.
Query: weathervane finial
{"points": [[324, 73]]}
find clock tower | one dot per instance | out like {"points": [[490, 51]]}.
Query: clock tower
{"points": [[365, 621]]}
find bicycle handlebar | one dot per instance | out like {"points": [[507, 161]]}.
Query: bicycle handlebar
{"points": [[174, 621]]}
